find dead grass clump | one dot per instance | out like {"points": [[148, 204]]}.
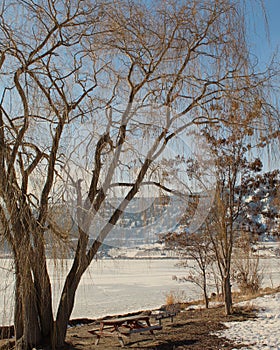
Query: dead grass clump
{"points": [[169, 299], [249, 307], [174, 297]]}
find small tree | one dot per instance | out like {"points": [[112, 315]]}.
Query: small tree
{"points": [[235, 168], [231, 148], [197, 248]]}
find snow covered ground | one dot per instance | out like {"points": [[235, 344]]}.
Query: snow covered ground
{"points": [[262, 333]]}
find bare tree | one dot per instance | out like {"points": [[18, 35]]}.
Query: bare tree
{"points": [[237, 179], [64, 64], [197, 249]]}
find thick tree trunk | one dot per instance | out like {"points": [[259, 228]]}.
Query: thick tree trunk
{"points": [[66, 305], [43, 292], [33, 327], [44, 306], [32, 334], [27, 323], [33, 319], [18, 313]]}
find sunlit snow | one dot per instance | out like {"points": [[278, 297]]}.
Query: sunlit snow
{"points": [[262, 333]]}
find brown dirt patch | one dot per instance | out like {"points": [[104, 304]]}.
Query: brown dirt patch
{"points": [[190, 330]]}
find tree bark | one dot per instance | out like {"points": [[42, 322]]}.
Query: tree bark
{"points": [[33, 309], [43, 290], [66, 305], [227, 294], [26, 313], [33, 300], [18, 313], [206, 299]]}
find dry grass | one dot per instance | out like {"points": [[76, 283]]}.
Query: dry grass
{"points": [[238, 297], [249, 307], [174, 298], [169, 299]]}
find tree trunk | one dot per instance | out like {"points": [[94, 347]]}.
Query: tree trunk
{"points": [[33, 318], [66, 305], [26, 314], [18, 313], [206, 299], [227, 294], [43, 292]]}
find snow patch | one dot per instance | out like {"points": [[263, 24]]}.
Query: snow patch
{"points": [[261, 333]]}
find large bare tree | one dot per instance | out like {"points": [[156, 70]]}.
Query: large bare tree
{"points": [[129, 71]]}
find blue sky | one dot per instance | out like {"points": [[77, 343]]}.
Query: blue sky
{"points": [[262, 45], [273, 8]]}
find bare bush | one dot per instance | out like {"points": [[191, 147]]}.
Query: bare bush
{"points": [[247, 272]]}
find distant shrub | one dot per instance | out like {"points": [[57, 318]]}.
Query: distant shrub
{"points": [[169, 299], [247, 272], [174, 298]]}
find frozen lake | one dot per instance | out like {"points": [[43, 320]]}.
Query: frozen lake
{"points": [[117, 286]]}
